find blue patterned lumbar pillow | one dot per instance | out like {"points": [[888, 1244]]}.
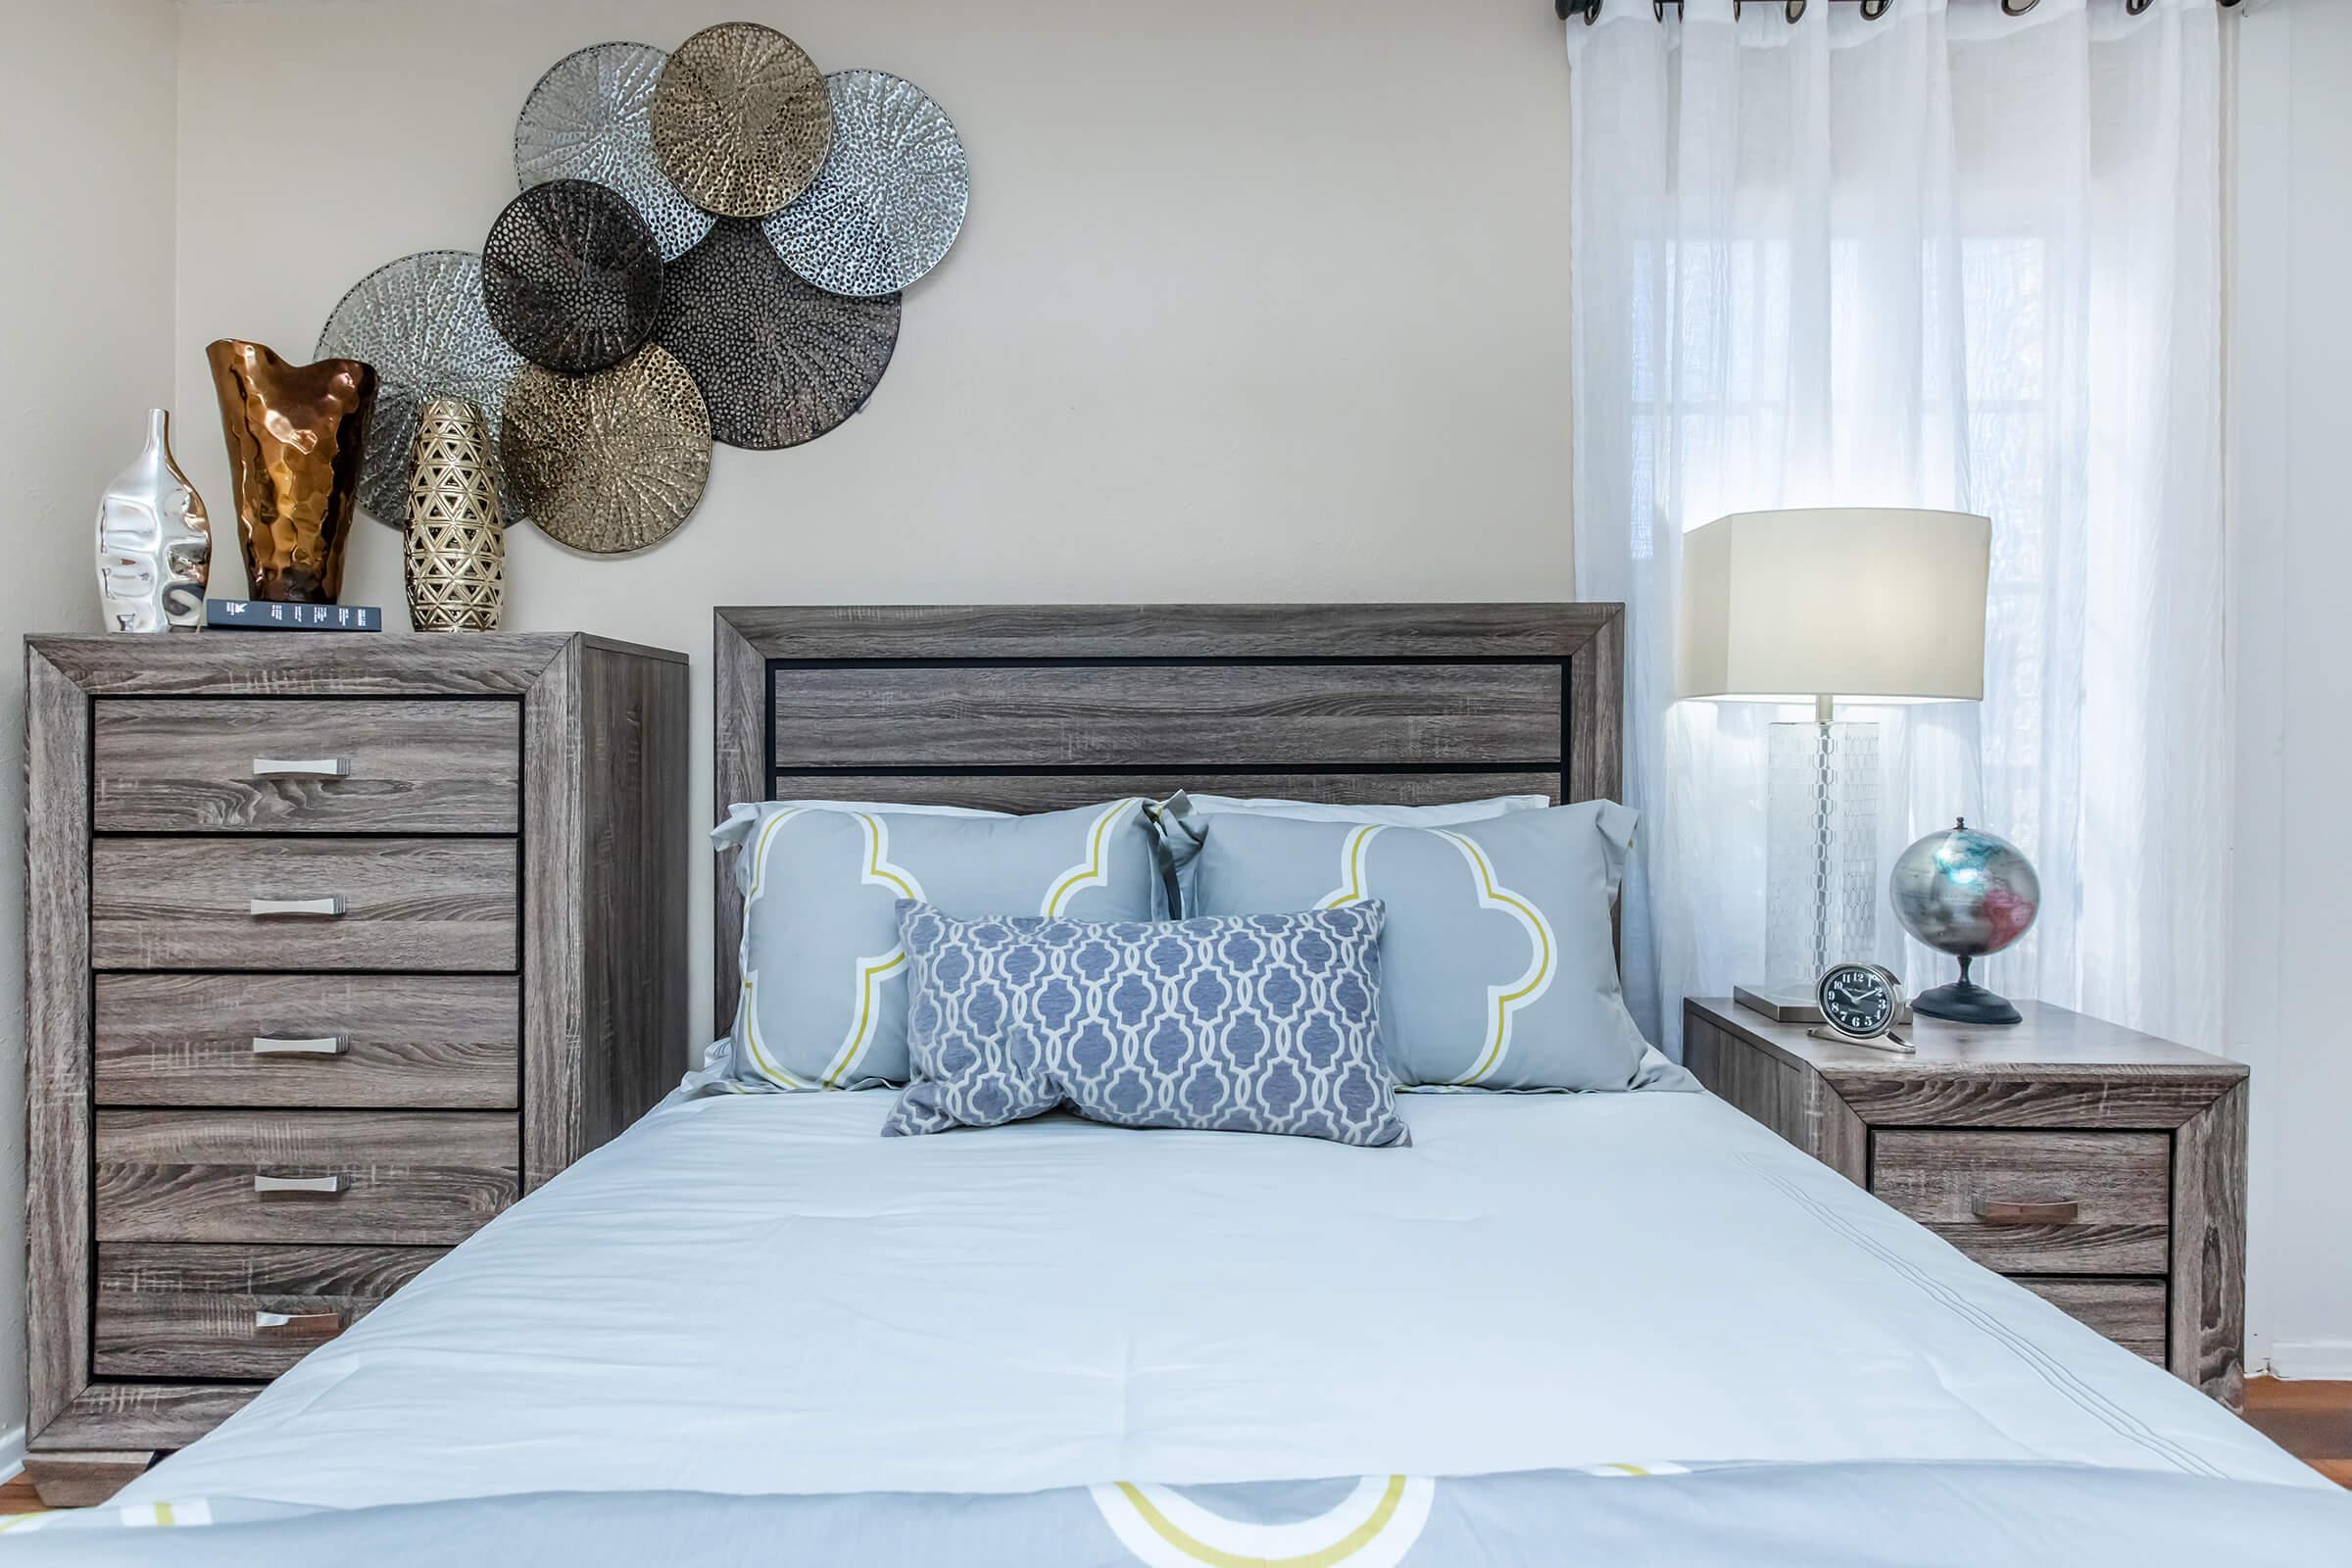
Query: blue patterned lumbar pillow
{"points": [[1263, 1023]]}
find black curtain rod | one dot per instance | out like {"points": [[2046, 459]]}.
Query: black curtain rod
{"points": [[1872, 10]]}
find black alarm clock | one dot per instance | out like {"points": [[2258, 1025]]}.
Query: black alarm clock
{"points": [[1859, 1004]]}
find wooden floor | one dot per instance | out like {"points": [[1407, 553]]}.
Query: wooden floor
{"points": [[2313, 1421]]}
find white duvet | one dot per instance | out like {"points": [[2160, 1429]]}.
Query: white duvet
{"points": [[760, 1295]]}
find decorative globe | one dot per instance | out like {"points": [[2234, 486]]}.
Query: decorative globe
{"points": [[1964, 892]]}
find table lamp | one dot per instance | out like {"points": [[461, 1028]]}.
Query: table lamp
{"points": [[1871, 604]]}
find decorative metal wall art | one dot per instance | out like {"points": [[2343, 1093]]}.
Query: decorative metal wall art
{"points": [[591, 118], [155, 544], [741, 120], [892, 195], [455, 565], [420, 321], [571, 276], [296, 436], [778, 360], [612, 462]]}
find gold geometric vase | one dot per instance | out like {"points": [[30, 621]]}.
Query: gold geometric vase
{"points": [[456, 561]]}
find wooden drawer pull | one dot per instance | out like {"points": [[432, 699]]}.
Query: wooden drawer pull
{"points": [[327, 909], [323, 1186], [317, 1046], [2006, 1211], [298, 1325], [289, 767]]}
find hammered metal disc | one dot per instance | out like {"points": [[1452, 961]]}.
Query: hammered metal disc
{"points": [[591, 118], [572, 276], [612, 462], [891, 196], [422, 324], [779, 360], [741, 120]]}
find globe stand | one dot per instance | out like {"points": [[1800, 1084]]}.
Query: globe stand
{"points": [[1966, 1001]]}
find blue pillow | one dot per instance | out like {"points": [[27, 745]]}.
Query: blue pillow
{"points": [[1261, 1023]]}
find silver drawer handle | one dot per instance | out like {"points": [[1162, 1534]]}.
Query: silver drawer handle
{"points": [[327, 908], [298, 1325], [318, 1046], [327, 1185], [291, 768]]}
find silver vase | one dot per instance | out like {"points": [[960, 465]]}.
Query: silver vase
{"points": [[155, 544]]}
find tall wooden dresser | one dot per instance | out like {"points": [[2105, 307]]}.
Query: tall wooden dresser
{"points": [[335, 946]]}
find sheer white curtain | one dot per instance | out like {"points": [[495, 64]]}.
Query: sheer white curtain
{"points": [[1946, 258]]}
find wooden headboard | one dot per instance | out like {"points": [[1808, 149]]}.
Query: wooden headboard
{"points": [[1028, 708]]}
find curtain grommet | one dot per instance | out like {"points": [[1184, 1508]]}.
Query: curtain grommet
{"points": [[1873, 10], [1793, 10], [2017, 8]]}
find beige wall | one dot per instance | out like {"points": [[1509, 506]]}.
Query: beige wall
{"points": [[85, 350], [1258, 297]]}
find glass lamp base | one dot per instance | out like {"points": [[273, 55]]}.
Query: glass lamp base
{"points": [[1821, 842]]}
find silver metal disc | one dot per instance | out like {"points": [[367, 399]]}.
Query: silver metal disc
{"points": [[591, 118], [422, 324], [890, 198]]}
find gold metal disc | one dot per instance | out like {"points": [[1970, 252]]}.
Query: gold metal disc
{"points": [[742, 122], [612, 462]]}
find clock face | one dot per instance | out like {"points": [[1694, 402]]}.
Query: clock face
{"points": [[1855, 999]]}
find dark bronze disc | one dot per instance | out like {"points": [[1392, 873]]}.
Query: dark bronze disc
{"points": [[612, 462], [571, 276], [741, 120], [779, 360]]}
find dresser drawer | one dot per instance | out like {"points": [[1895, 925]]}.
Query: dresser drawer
{"points": [[443, 1042], [2034, 1202], [212, 766], [176, 1311], [416, 1178], [240, 904], [2131, 1312]]}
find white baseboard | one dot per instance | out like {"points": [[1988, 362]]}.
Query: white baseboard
{"points": [[11, 1453], [2324, 1360]]}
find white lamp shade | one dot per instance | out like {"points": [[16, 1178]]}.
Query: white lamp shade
{"points": [[1877, 604]]}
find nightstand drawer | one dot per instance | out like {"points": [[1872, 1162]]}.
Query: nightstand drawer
{"points": [[442, 1042], [2131, 1312], [303, 903], [212, 766], [419, 1178], [2034, 1202], [174, 1310]]}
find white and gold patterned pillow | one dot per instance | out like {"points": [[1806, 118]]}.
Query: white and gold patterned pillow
{"points": [[823, 1003]]}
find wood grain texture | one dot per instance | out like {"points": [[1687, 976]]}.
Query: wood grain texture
{"points": [[421, 1041], [87, 1478], [639, 830], [185, 766], [411, 1177], [173, 1310], [2129, 1311], [2209, 1249], [1794, 1104], [1025, 793], [1065, 632], [970, 704], [409, 904], [2031, 1100], [1274, 716], [148, 1415], [2119, 1182], [289, 665], [56, 1038]]}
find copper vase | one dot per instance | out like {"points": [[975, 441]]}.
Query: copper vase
{"points": [[296, 434]]}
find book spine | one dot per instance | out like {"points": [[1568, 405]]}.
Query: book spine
{"points": [[253, 614]]}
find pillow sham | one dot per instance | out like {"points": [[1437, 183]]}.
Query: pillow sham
{"points": [[1498, 961], [1181, 821], [1265, 1024], [823, 1003]]}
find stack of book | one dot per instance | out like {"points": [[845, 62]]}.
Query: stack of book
{"points": [[253, 615]]}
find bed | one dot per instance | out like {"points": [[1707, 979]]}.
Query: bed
{"points": [[1636, 1326]]}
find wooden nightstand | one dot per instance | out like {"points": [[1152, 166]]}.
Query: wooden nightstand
{"points": [[2102, 1168]]}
